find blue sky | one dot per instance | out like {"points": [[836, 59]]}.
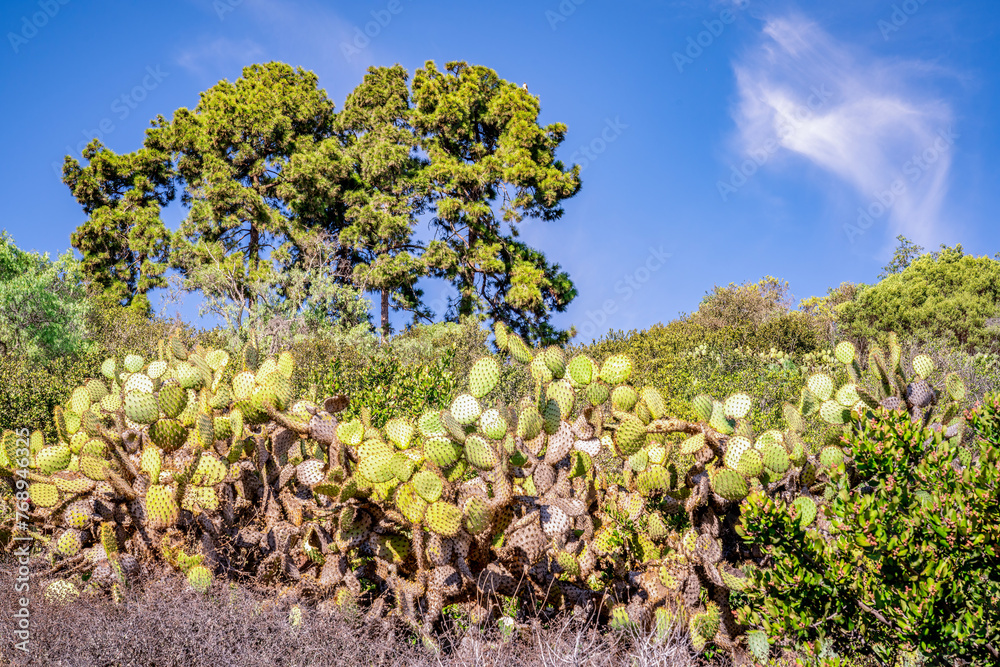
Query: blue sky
{"points": [[721, 141]]}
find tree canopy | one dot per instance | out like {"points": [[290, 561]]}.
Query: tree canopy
{"points": [[292, 202], [946, 295], [43, 304], [124, 243], [491, 166]]}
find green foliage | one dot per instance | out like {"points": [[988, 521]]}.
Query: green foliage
{"points": [[387, 193], [909, 560], [683, 359], [793, 332], [30, 389], [298, 211], [43, 304], [823, 309], [388, 387], [487, 151], [905, 253], [947, 295], [29, 392], [414, 371], [749, 304], [124, 244]]}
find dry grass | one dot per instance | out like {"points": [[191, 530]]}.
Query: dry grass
{"points": [[167, 624]]}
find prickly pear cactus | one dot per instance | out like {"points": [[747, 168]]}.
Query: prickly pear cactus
{"points": [[584, 495]]}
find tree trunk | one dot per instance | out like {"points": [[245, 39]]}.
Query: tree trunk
{"points": [[467, 280], [254, 250], [385, 316]]}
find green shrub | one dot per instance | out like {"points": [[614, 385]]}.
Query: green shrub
{"points": [[749, 304], [414, 372], [908, 560], [793, 332], [388, 387], [946, 295], [683, 359], [29, 392], [43, 303]]}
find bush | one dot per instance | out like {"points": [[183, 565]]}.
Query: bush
{"points": [[416, 371], [43, 304], [749, 304], [30, 390], [793, 332], [386, 386], [946, 295], [910, 560], [683, 359]]}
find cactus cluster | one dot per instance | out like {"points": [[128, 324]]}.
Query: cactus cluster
{"points": [[584, 495]]}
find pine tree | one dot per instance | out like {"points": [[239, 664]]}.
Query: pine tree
{"points": [[386, 195], [233, 152], [124, 244], [491, 166]]}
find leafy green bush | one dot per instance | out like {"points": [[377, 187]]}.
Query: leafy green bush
{"points": [[387, 387], [908, 560], [43, 304], [794, 332], [416, 371], [945, 295], [749, 304], [29, 391], [683, 359]]}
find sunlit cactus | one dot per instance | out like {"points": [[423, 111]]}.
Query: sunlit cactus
{"points": [[584, 494]]}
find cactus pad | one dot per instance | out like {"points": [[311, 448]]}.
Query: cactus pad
{"points": [[844, 352], [518, 349], [400, 432], [581, 370], [141, 407], [821, 386], [616, 369], [630, 436], [161, 508], [493, 424], [806, 510], [624, 398], [737, 406], [199, 578], [923, 366], [480, 453], [729, 484], [442, 451], [443, 518]]}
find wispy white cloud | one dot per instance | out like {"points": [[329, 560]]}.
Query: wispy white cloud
{"points": [[861, 118], [306, 26], [307, 33], [212, 55]]}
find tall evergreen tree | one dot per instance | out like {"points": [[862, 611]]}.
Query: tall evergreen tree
{"points": [[232, 152], [491, 166], [386, 195], [295, 207], [124, 244]]}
